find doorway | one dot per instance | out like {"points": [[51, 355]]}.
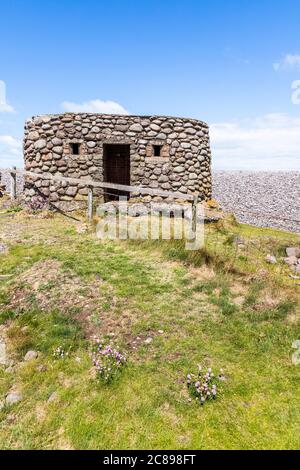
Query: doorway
{"points": [[116, 161]]}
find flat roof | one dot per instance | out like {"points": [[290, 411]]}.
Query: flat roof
{"points": [[120, 116]]}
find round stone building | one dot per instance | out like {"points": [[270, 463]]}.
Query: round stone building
{"points": [[166, 153]]}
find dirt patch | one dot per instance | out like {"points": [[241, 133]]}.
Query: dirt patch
{"points": [[24, 228], [40, 412], [41, 273], [294, 317], [238, 288], [169, 414], [52, 288], [239, 301], [267, 301], [91, 302], [205, 273], [63, 443]]}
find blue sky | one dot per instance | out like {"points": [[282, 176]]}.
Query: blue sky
{"points": [[230, 63]]}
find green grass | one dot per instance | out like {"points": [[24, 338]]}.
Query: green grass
{"points": [[214, 308]]}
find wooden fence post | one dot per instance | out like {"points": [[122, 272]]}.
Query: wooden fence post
{"points": [[194, 212], [90, 204], [13, 183]]}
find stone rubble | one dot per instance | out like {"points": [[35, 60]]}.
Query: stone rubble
{"points": [[30, 355], [293, 251], [3, 356], [3, 248], [260, 198], [292, 259], [271, 259], [53, 397], [13, 397]]}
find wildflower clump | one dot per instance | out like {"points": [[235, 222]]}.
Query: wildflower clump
{"points": [[204, 386], [107, 361], [59, 353]]}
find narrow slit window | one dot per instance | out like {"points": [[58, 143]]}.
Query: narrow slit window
{"points": [[75, 148], [157, 150]]}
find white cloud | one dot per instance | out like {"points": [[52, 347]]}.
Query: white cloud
{"points": [[288, 62], [94, 106], [270, 142], [9, 140], [10, 151], [4, 106]]}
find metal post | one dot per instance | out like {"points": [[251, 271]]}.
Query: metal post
{"points": [[13, 186], [194, 213], [90, 204]]}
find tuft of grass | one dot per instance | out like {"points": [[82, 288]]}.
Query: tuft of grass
{"points": [[255, 289], [43, 331], [280, 312]]}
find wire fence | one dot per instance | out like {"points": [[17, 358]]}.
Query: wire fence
{"points": [[91, 185], [15, 178]]}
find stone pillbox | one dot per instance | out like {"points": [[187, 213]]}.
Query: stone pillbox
{"points": [[166, 153]]}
